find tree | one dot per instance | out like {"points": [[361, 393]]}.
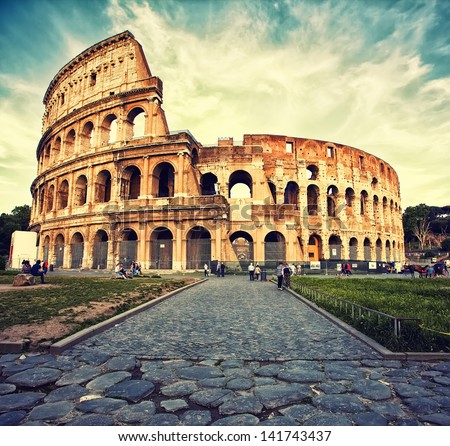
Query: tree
{"points": [[416, 223], [18, 220], [445, 245]]}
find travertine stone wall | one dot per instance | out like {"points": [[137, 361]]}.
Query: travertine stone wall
{"points": [[114, 184]]}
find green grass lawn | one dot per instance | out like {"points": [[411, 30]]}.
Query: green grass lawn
{"points": [[425, 299], [70, 298]]}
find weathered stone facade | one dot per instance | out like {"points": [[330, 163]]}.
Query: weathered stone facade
{"points": [[114, 183]]}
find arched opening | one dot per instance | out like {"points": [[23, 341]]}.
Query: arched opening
{"points": [[385, 210], [59, 251], [349, 197], [313, 199], [198, 248], [374, 182], [363, 202], [353, 251], [242, 243], [240, 185], [194, 157], [87, 135], [41, 200], [378, 249], [332, 196], [76, 250], [103, 187], [209, 184], [56, 149], [80, 191], [163, 180], [69, 144], [274, 249], [128, 247], [50, 197], [46, 249], [367, 250], [130, 186], [161, 248], [376, 208], [291, 193], [136, 122], [100, 251], [394, 251], [312, 172], [273, 192], [63, 195], [335, 245], [388, 251], [109, 130], [314, 248]]}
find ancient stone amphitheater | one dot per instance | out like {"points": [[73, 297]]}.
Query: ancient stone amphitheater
{"points": [[114, 183]]}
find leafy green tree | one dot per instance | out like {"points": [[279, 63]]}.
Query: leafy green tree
{"points": [[446, 245], [18, 220], [416, 223]]}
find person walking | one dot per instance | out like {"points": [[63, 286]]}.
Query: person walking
{"points": [[222, 269], [257, 271], [206, 268], [279, 273], [251, 271], [287, 275]]}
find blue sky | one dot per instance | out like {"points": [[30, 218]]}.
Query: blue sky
{"points": [[373, 74]]}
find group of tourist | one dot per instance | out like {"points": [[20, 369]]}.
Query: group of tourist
{"points": [[122, 273], [254, 271], [37, 270], [283, 273]]}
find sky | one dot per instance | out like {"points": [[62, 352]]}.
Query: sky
{"points": [[371, 74]]}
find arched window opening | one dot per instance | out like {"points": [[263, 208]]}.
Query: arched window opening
{"points": [[56, 149], [109, 130], [80, 191], [312, 172], [50, 198], [353, 245], [335, 245], [128, 247], [198, 248], [63, 195], [378, 249], [163, 180], [367, 250], [388, 251], [131, 183], [103, 187], [313, 199], [349, 197], [194, 157], [70, 143], [274, 249], [41, 200], [46, 249], [87, 135], [332, 195], [240, 185], [291, 193], [100, 250], [273, 192], [209, 184], [374, 182], [59, 251], [376, 208], [242, 243], [76, 250], [314, 248], [363, 202], [136, 121], [161, 248]]}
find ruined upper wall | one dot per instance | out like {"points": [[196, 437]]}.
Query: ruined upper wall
{"points": [[112, 66]]}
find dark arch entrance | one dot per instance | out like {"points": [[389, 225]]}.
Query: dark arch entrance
{"points": [[161, 248], [100, 251], [76, 250], [335, 246], [274, 249], [128, 247], [242, 243], [59, 251], [198, 248]]}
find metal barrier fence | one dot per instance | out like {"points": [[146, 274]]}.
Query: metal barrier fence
{"points": [[354, 310]]}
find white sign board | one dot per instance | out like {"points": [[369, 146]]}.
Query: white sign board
{"points": [[314, 265]]}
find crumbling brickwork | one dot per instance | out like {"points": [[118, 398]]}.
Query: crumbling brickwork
{"points": [[114, 183]]}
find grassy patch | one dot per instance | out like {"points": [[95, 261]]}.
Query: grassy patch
{"points": [[428, 300], [79, 302]]}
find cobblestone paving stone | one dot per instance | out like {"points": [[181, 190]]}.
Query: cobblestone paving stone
{"points": [[226, 352]]}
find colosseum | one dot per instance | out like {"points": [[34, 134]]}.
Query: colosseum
{"points": [[114, 183]]}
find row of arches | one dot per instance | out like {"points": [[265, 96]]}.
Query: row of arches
{"points": [[86, 135]]}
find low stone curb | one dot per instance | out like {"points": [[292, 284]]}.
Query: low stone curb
{"points": [[58, 347]]}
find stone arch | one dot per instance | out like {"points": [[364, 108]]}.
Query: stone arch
{"points": [[136, 120], [100, 250], [63, 195], [41, 200], [312, 172], [353, 248], [335, 247], [378, 250], [198, 247], [50, 198], [56, 149], [59, 251], [163, 180], [69, 143], [314, 248], [209, 184], [273, 192], [76, 250], [291, 193], [332, 196], [367, 250], [242, 243], [388, 251], [128, 247], [240, 185], [274, 248], [364, 197], [130, 185], [161, 248], [87, 135], [374, 183], [103, 187], [46, 249], [313, 194], [80, 191], [109, 129], [349, 198]]}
